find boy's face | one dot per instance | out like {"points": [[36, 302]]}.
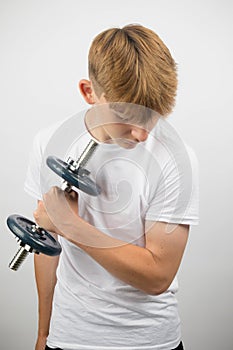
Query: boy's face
{"points": [[110, 126], [114, 127], [120, 130], [126, 134]]}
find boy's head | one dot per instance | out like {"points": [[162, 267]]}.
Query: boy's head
{"points": [[133, 65]]}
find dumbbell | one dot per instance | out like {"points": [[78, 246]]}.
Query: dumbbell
{"points": [[31, 237]]}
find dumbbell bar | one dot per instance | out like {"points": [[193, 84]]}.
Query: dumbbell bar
{"points": [[32, 238]]}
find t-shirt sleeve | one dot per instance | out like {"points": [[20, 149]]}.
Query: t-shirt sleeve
{"points": [[33, 180], [176, 199], [39, 177]]}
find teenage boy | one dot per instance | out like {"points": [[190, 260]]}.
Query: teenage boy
{"points": [[114, 284]]}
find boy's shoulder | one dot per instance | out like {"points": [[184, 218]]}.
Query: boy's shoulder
{"points": [[62, 132], [169, 146]]}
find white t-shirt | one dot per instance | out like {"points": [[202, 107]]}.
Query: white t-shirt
{"points": [[156, 181]]}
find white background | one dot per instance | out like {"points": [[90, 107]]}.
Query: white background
{"points": [[44, 47]]}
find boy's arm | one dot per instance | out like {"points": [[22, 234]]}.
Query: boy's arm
{"points": [[150, 268], [45, 274]]}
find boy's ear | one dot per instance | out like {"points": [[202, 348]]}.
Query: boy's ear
{"points": [[87, 91]]}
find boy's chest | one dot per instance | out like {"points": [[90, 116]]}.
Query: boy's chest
{"points": [[122, 176], [126, 181]]}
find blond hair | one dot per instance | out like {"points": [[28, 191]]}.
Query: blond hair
{"points": [[133, 65]]}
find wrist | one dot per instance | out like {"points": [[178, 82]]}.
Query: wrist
{"points": [[66, 228], [86, 236], [73, 230]]}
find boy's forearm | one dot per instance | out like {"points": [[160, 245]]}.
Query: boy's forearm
{"points": [[130, 263], [45, 273]]}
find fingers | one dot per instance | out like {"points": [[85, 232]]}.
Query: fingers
{"points": [[52, 196], [37, 212], [71, 195], [55, 194], [60, 204], [36, 217]]}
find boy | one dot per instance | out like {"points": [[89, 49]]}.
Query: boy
{"points": [[114, 285]]}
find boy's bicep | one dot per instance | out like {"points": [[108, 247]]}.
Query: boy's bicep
{"points": [[167, 243]]}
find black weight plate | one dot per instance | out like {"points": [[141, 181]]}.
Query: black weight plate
{"points": [[43, 243], [80, 181]]}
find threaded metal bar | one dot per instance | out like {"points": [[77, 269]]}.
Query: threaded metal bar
{"points": [[18, 259], [65, 186], [87, 153], [82, 160]]}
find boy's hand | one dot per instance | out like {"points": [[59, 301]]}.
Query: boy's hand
{"points": [[57, 210], [42, 219]]}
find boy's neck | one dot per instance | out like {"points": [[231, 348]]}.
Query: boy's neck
{"points": [[94, 128]]}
